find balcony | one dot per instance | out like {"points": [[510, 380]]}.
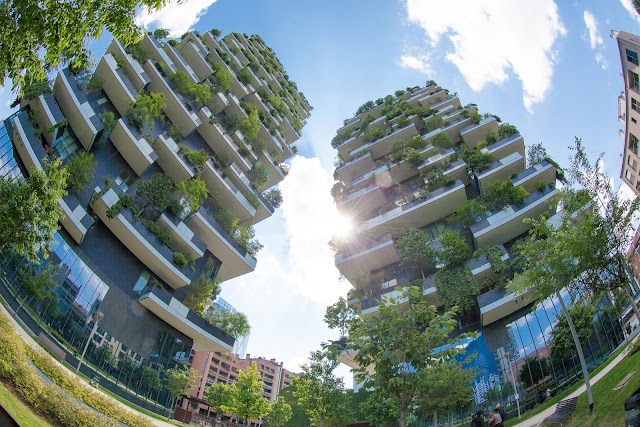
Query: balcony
{"points": [[195, 53], [250, 153], [498, 304], [171, 160], [435, 161], [452, 130], [481, 267], [240, 180], [205, 336], [508, 223], [362, 257], [350, 124], [76, 220], [178, 110], [458, 170], [117, 86], [183, 239], [543, 171], [370, 306], [383, 145], [362, 201], [180, 63], [506, 146], [77, 108], [131, 68], [133, 147], [436, 205], [370, 178], [235, 259], [429, 291], [451, 102], [502, 169], [355, 167], [473, 134], [236, 87], [154, 50], [276, 175], [220, 142], [433, 98], [347, 147], [141, 242], [47, 114]]}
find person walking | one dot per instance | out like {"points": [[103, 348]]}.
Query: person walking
{"points": [[495, 420], [503, 416], [477, 420]]}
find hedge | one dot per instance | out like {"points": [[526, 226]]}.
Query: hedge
{"points": [[57, 399]]}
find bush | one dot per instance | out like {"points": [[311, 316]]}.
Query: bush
{"points": [[245, 77], [454, 251], [227, 220], [80, 167], [441, 140], [456, 287], [139, 53], [123, 202], [469, 212], [402, 121], [182, 82], [259, 176], [433, 123], [108, 120], [506, 130], [36, 89], [222, 77], [412, 156], [476, 117], [374, 134], [491, 138], [160, 231], [94, 85], [198, 158], [201, 93], [175, 132], [184, 259]]}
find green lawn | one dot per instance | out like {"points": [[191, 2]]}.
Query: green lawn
{"points": [[19, 411], [609, 404], [557, 398]]}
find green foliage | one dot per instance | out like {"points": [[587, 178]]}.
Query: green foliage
{"points": [[494, 255], [245, 76], [562, 345], [506, 130], [274, 197], [235, 324], [433, 123], [160, 231], [153, 196], [146, 108], [184, 259], [490, 138], [250, 126], [39, 284], [536, 154], [501, 193], [94, 85], [476, 159], [173, 42], [246, 396], [412, 156], [340, 138], [457, 288], [227, 220], [365, 107], [469, 212], [199, 294], [222, 77], [475, 117], [340, 316], [455, 251], [201, 92], [161, 33], [182, 82], [415, 251], [29, 212], [441, 140], [436, 178], [259, 175], [280, 413], [540, 185], [534, 371], [195, 191], [215, 32], [36, 89], [374, 135], [318, 390], [124, 202], [217, 395], [448, 387], [139, 53], [245, 236], [80, 168], [179, 380], [175, 132], [108, 120]]}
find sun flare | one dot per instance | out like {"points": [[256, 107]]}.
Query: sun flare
{"points": [[343, 227]]}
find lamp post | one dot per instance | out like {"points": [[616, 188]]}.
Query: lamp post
{"points": [[96, 318]]}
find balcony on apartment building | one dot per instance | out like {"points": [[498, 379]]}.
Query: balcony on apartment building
{"points": [[133, 147], [78, 108], [382, 146], [477, 132], [508, 223], [205, 336], [181, 63], [504, 147], [274, 171], [435, 161], [245, 148], [530, 177], [195, 52], [236, 86], [47, 114], [458, 170], [155, 52], [180, 112], [117, 85], [355, 167], [457, 123], [141, 242], [433, 98], [28, 146], [183, 238], [172, 160], [481, 267], [451, 103], [497, 304], [363, 254], [438, 204], [220, 141], [362, 201], [264, 210], [349, 124], [235, 259], [131, 68], [501, 169]]}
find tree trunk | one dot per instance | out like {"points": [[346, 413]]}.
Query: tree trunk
{"points": [[583, 364], [632, 300], [435, 417], [403, 418]]}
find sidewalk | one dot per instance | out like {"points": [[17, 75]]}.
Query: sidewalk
{"points": [[32, 343], [538, 418]]}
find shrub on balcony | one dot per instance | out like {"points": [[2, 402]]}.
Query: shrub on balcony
{"points": [[245, 76], [153, 196], [124, 201], [456, 287], [194, 191], [145, 109], [200, 293], [476, 117], [412, 156], [296, 123], [476, 159], [415, 251], [231, 122], [365, 107], [184, 259], [227, 220], [182, 82], [541, 185], [222, 77], [442, 140], [274, 197], [433, 123], [139, 53], [436, 178], [198, 158], [80, 167], [258, 175], [202, 94], [234, 324], [175, 132], [402, 121], [36, 89], [502, 193], [160, 231], [340, 138], [506, 130], [161, 33], [494, 255], [374, 135], [454, 251], [245, 236], [250, 126], [215, 32], [108, 120], [490, 138], [469, 212], [173, 42]]}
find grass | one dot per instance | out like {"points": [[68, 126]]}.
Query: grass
{"points": [[609, 404], [20, 412], [566, 392]]}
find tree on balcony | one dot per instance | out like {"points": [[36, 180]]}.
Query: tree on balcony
{"points": [[153, 196], [415, 251], [455, 283], [235, 324], [145, 109], [341, 316], [200, 293], [274, 197], [29, 212], [259, 175], [222, 77], [194, 191], [80, 167]]}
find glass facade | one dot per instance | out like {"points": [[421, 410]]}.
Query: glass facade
{"points": [[240, 347]]}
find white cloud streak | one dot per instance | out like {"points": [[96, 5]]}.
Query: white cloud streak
{"points": [[491, 38], [416, 62], [177, 17], [628, 4], [595, 38]]}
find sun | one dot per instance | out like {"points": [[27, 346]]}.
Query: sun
{"points": [[342, 227]]}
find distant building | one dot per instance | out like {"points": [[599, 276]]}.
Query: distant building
{"points": [[633, 255], [240, 347]]}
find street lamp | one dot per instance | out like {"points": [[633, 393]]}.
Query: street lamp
{"points": [[96, 318]]}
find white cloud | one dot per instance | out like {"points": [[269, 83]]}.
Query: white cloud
{"points": [[416, 62], [595, 38], [628, 4], [491, 38], [295, 278], [177, 17]]}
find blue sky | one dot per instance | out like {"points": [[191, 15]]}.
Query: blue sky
{"points": [[537, 65]]}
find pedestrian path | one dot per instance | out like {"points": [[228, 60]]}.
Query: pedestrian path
{"points": [[537, 419], [22, 331]]}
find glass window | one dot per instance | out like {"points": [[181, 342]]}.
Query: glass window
{"points": [[124, 180], [634, 104], [632, 56], [634, 80], [65, 144], [141, 283]]}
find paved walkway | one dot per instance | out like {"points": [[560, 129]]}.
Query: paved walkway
{"points": [[28, 338], [537, 419]]}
